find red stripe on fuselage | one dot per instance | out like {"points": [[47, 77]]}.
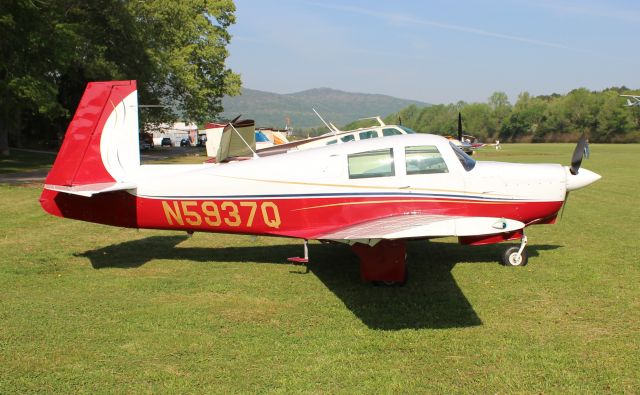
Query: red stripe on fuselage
{"points": [[300, 217]]}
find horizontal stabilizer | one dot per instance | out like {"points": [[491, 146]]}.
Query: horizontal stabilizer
{"points": [[89, 190]]}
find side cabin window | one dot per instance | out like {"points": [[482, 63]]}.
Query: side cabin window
{"points": [[378, 163], [331, 142], [368, 134], [390, 132], [424, 159], [347, 138]]}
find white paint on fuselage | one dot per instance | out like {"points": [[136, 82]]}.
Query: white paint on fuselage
{"points": [[325, 170]]}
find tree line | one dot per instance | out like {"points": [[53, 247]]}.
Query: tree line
{"points": [[49, 50], [600, 115]]}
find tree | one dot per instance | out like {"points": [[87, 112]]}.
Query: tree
{"points": [[499, 103], [50, 50], [31, 51], [613, 119], [525, 118], [475, 119], [580, 109], [499, 100], [601, 115]]}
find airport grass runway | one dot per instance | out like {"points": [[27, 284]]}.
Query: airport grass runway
{"points": [[87, 308]]}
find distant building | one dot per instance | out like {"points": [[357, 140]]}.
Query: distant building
{"points": [[176, 132]]}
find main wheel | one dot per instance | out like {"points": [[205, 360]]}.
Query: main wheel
{"points": [[510, 257]]}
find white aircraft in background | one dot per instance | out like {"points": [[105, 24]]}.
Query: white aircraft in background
{"points": [[633, 101]]}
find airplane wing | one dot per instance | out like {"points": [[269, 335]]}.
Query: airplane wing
{"points": [[421, 225]]}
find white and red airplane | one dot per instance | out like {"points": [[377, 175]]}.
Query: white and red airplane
{"points": [[372, 194]]}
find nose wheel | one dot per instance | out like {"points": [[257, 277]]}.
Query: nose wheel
{"points": [[516, 255]]}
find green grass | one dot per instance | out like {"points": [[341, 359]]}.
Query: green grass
{"points": [[89, 308]]}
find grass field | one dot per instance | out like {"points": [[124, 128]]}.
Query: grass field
{"points": [[87, 308]]}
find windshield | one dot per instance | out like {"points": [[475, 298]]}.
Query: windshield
{"points": [[467, 162]]}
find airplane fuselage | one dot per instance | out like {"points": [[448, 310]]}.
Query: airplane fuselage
{"points": [[312, 193]]}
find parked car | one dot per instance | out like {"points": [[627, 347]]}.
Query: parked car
{"points": [[166, 142], [185, 142], [146, 141]]}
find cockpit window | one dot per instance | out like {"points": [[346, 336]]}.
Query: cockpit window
{"points": [[424, 159], [467, 162], [378, 163]]}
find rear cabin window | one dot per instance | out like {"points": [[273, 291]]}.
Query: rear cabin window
{"points": [[390, 132], [378, 163], [368, 134], [424, 159]]}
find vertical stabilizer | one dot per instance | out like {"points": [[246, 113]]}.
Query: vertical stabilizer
{"points": [[101, 145]]}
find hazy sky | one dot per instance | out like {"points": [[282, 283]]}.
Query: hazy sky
{"points": [[436, 51]]}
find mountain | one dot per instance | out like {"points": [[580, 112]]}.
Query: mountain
{"points": [[338, 107]]}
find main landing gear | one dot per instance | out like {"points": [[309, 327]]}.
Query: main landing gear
{"points": [[381, 264], [302, 260], [385, 262], [516, 256]]}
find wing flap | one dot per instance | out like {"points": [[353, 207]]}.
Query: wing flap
{"points": [[422, 225]]}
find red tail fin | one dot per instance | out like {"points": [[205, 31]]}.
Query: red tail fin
{"points": [[100, 146], [99, 154]]}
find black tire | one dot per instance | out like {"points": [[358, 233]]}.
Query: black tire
{"points": [[509, 257]]}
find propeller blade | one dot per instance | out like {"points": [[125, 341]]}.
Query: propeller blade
{"points": [[578, 153], [459, 126]]}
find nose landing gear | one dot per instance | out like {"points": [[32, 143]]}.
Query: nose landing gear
{"points": [[516, 256]]}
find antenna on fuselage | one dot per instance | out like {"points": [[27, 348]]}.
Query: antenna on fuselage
{"points": [[325, 123]]}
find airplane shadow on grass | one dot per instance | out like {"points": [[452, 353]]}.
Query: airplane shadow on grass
{"points": [[431, 298]]}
